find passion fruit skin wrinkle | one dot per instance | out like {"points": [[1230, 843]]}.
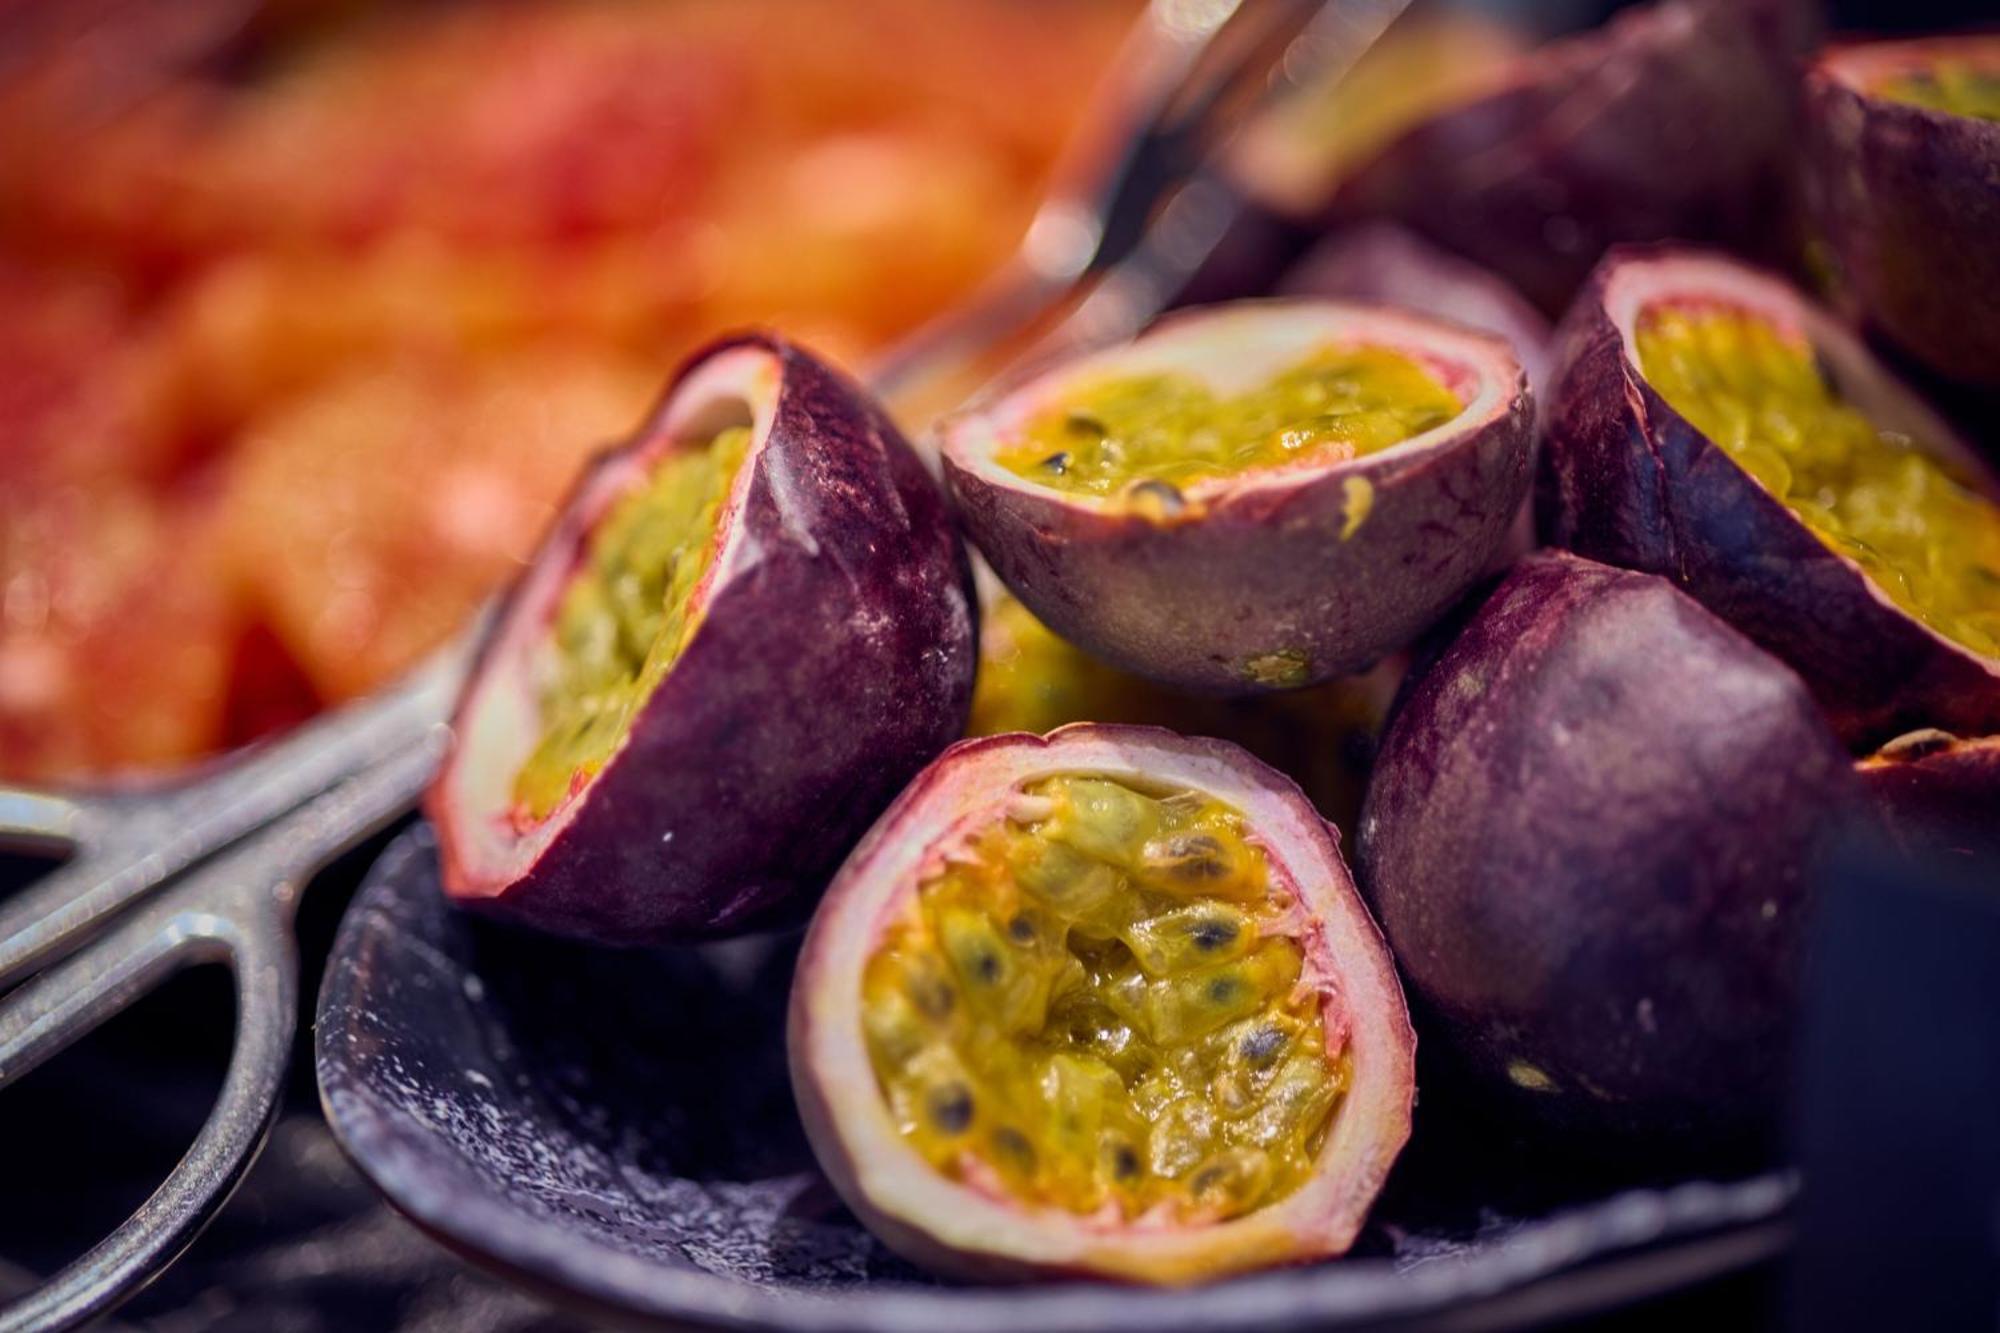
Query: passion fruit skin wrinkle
{"points": [[833, 658], [1628, 480], [1904, 196], [1266, 580], [973, 1233], [1587, 838]]}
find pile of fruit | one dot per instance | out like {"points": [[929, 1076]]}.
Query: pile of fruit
{"points": [[1669, 600], [1095, 997], [1088, 995]]}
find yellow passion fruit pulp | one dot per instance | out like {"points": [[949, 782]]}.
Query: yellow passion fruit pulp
{"points": [[625, 618], [1951, 86], [1151, 434], [1923, 535], [1094, 1005]]}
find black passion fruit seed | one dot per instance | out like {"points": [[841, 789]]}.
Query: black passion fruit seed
{"points": [[624, 621], [1924, 536], [1124, 1032], [1148, 436]]}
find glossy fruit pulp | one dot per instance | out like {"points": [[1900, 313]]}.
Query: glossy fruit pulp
{"points": [[624, 620], [1920, 532], [1145, 435], [1093, 1006], [1952, 86]]}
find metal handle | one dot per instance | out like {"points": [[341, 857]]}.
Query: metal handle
{"points": [[127, 844], [70, 1000], [37, 818], [236, 909]]}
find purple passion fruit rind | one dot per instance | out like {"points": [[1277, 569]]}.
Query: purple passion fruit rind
{"points": [[1939, 793], [1674, 120], [831, 658], [1586, 838], [1271, 578], [1904, 195], [965, 1219], [1629, 480]]}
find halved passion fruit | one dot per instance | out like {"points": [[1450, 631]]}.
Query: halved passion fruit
{"points": [[1106, 1004], [1253, 496], [748, 628], [1676, 119], [1904, 156], [1710, 424], [1587, 837]]}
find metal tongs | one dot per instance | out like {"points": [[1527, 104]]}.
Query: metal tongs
{"points": [[209, 869]]}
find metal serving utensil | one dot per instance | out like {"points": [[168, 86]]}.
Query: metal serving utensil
{"points": [[205, 871], [209, 869], [1139, 202]]}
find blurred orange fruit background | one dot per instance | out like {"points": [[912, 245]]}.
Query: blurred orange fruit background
{"points": [[308, 313]]}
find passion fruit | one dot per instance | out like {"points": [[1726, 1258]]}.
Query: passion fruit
{"points": [[1433, 57], [748, 628], [1249, 497], [1903, 156], [1674, 120], [1322, 738], [1709, 423], [1939, 792], [1103, 1003], [1385, 263], [1287, 161], [1587, 837]]}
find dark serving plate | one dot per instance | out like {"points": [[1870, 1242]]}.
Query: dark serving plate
{"points": [[618, 1129]]}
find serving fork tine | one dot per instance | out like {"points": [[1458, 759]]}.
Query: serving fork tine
{"points": [[1137, 202], [209, 869]]}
